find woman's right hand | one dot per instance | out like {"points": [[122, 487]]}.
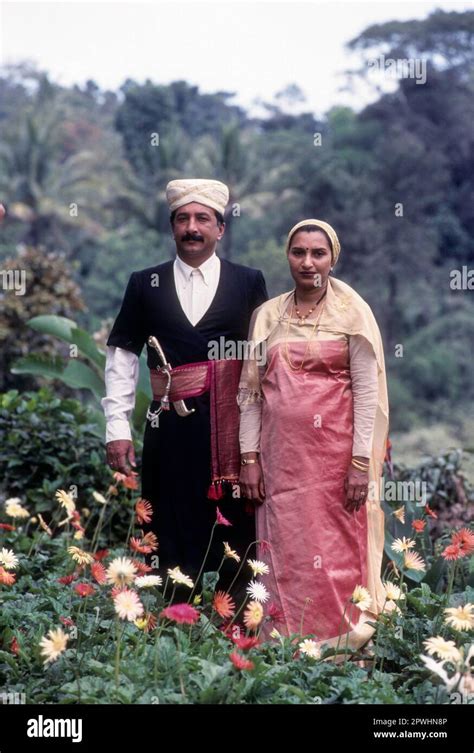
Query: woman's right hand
{"points": [[251, 482]]}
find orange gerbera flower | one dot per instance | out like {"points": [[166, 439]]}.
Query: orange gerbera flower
{"points": [[6, 578], [99, 572], [465, 540], [452, 552], [143, 511], [137, 546], [14, 646], [419, 525], [145, 545], [223, 604], [142, 568], [240, 662], [129, 482]]}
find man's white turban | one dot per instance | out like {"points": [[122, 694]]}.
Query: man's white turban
{"points": [[211, 193]]}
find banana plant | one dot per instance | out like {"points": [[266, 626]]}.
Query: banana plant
{"points": [[85, 374]]}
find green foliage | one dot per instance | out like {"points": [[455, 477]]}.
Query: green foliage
{"points": [[48, 443], [77, 374]]}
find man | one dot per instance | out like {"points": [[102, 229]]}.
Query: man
{"points": [[187, 304]]}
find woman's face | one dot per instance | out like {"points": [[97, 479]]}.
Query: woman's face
{"points": [[310, 259]]}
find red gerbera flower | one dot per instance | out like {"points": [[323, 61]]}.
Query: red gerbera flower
{"points": [[240, 662], [419, 525], [144, 511], [181, 613], [430, 512], [84, 589], [7, 527], [66, 580], [14, 646], [67, 621], [246, 643], [221, 521], [275, 613], [465, 540], [101, 554], [99, 572]]}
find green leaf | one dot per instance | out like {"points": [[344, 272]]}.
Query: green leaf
{"points": [[51, 324]]}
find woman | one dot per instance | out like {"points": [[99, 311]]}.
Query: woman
{"points": [[313, 431]]}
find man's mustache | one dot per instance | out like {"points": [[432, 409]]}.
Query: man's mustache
{"points": [[188, 237]]}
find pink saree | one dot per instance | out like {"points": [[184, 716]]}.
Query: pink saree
{"points": [[318, 550]]}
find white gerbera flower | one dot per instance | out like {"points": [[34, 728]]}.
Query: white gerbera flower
{"points": [[148, 581], [258, 567], [121, 571], [8, 559], [310, 648], [257, 591], [178, 577]]}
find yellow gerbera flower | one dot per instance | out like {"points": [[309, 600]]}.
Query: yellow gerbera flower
{"points": [[66, 501], [413, 561], [14, 508], [399, 514], [230, 553], [253, 615], [361, 598], [460, 618], [80, 556], [392, 591], [446, 650], [53, 644]]}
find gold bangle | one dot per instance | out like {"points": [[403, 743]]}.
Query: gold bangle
{"points": [[248, 461], [359, 465]]}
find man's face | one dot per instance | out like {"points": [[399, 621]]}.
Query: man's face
{"points": [[196, 232]]}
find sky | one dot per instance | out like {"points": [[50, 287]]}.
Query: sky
{"points": [[253, 49]]}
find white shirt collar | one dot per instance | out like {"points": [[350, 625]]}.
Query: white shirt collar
{"points": [[207, 268]]}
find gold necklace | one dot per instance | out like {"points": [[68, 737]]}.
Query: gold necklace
{"points": [[316, 322], [301, 319]]}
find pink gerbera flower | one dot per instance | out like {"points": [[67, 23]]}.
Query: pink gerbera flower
{"points": [[182, 613], [221, 521]]}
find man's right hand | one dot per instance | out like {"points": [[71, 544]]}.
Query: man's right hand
{"points": [[120, 452]]}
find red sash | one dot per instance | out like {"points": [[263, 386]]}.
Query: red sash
{"points": [[221, 378]]}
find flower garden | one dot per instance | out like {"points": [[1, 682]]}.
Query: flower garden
{"points": [[84, 619]]}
